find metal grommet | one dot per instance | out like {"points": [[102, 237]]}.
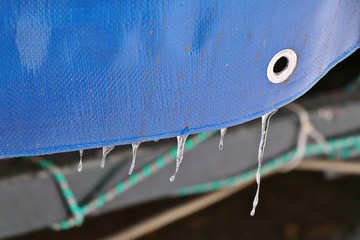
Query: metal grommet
{"points": [[282, 65]]}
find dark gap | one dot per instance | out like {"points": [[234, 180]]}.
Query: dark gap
{"points": [[280, 65]]}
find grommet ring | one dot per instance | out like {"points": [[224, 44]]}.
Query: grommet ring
{"points": [[282, 65]]}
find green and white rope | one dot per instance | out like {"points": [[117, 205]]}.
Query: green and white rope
{"points": [[78, 212], [59, 177], [345, 147]]}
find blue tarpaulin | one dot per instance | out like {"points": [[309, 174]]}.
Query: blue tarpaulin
{"points": [[85, 74]]}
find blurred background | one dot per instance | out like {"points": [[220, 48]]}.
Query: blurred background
{"points": [[212, 195]]}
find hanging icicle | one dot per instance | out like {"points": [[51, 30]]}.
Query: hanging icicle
{"points": [[134, 150], [105, 152], [180, 153], [80, 161], [265, 121], [222, 135]]}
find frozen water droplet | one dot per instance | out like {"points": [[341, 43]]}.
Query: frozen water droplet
{"points": [[221, 143], [80, 162], [106, 151], [134, 150], [180, 153], [265, 120]]}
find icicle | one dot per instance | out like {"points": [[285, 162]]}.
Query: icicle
{"points": [[106, 151], [265, 120], [80, 162], [134, 150], [180, 153], [221, 143]]}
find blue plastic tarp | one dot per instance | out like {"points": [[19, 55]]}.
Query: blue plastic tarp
{"points": [[85, 74]]}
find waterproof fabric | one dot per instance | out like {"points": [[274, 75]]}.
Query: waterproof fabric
{"points": [[85, 74]]}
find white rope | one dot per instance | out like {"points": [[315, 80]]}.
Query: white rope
{"points": [[307, 130]]}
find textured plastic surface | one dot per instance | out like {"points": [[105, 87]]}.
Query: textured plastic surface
{"points": [[85, 74]]}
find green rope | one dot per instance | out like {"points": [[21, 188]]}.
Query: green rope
{"points": [[353, 86], [65, 189], [345, 147], [147, 170]]}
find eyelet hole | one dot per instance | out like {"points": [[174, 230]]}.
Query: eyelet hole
{"points": [[280, 65]]}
